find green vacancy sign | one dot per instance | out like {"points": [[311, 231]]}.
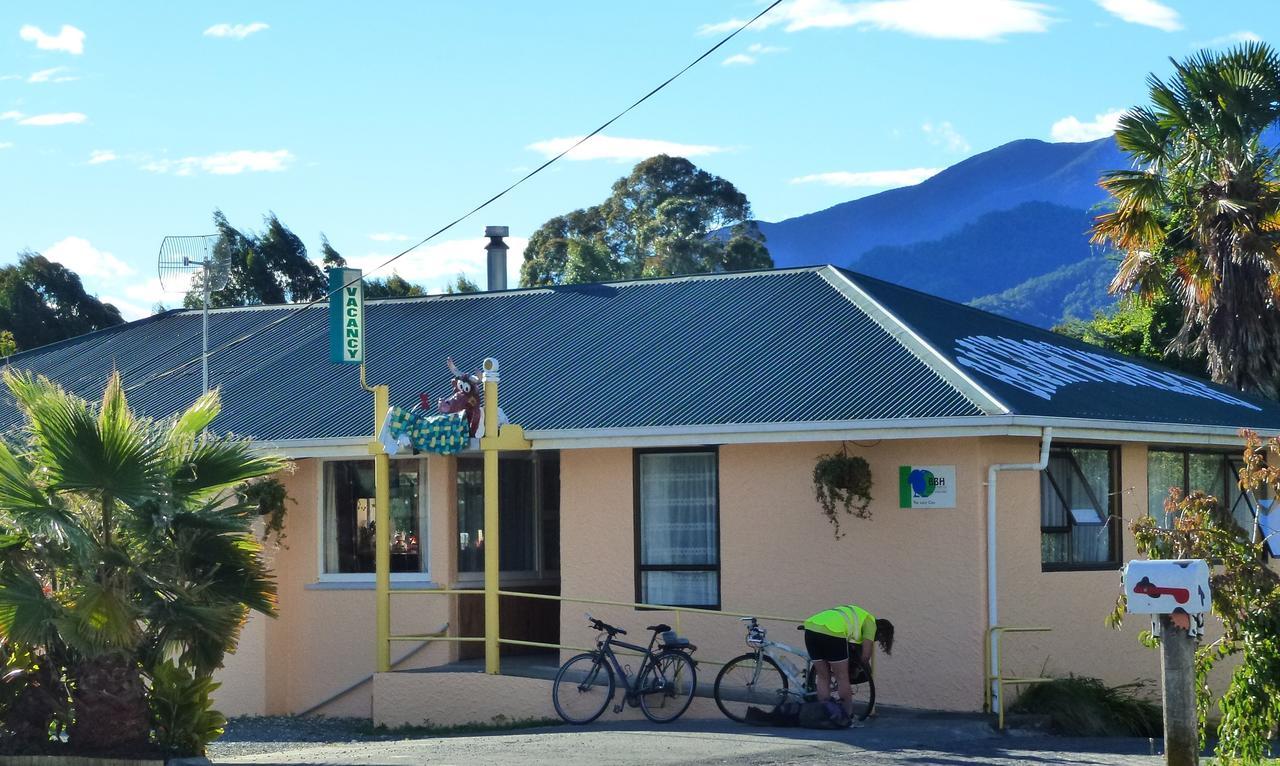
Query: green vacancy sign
{"points": [[346, 316], [927, 486]]}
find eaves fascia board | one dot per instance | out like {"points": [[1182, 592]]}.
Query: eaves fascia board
{"points": [[915, 343]]}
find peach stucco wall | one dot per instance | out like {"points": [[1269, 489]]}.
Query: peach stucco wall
{"points": [[322, 640], [923, 569], [919, 568]]}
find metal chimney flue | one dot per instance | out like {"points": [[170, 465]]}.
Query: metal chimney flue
{"points": [[497, 252]]}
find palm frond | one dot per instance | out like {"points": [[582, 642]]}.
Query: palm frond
{"points": [[32, 509], [99, 619], [214, 464], [27, 613], [191, 423]]}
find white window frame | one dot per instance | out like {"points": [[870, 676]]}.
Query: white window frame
{"points": [[322, 509]]}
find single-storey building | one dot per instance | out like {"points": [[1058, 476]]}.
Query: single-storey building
{"points": [[675, 424]]}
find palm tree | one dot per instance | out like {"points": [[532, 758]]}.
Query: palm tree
{"points": [[122, 544], [1199, 215]]}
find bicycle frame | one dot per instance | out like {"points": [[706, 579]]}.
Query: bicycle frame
{"points": [[797, 678], [630, 684]]}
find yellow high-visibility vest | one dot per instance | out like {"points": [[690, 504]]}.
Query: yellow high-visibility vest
{"points": [[850, 622]]}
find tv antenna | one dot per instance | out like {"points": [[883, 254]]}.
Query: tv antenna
{"points": [[190, 263]]}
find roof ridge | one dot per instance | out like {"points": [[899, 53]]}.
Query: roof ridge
{"points": [[671, 278], [935, 360]]}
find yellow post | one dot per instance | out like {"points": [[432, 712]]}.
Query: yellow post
{"points": [[491, 535], [382, 528]]}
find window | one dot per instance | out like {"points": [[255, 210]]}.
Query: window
{"points": [[1213, 473], [1077, 491], [529, 510], [678, 528], [350, 512]]}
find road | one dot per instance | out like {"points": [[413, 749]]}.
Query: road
{"points": [[952, 741]]}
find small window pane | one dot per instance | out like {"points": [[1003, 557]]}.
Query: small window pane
{"points": [[470, 515], [1205, 474], [1075, 507], [680, 588], [350, 514], [678, 508], [1164, 472]]}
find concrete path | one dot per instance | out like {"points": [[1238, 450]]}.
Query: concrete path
{"points": [[900, 741]]}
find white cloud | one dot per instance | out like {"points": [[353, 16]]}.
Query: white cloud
{"points": [[869, 178], [1073, 129], [988, 20], [754, 52], [604, 147], [1145, 12], [128, 309], [389, 237], [944, 134], [6, 144], [435, 266], [45, 120], [149, 292], [69, 39], [225, 163], [99, 156], [48, 75], [77, 254], [1243, 36], [10, 77], [235, 31]]}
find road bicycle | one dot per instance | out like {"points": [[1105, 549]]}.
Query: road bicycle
{"points": [[773, 673], [662, 687]]}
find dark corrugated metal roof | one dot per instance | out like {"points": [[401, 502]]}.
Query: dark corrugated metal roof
{"points": [[751, 348], [1040, 373]]}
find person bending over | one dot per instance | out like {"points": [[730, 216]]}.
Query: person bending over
{"points": [[832, 636]]}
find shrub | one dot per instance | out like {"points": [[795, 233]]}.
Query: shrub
{"points": [[182, 711], [1086, 707]]}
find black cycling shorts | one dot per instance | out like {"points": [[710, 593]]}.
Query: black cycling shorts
{"points": [[823, 647]]}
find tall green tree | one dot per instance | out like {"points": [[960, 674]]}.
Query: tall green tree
{"points": [[265, 268], [394, 286], [1199, 215], [42, 301], [123, 545], [666, 217]]}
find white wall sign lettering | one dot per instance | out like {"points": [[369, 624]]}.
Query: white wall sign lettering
{"points": [[1041, 368]]}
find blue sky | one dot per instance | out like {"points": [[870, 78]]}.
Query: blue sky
{"points": [[377, 123]]}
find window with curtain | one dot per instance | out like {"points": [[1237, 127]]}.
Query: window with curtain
{"points": [[678, 528], [1077, 489], [350, 511], [1213, 473]]}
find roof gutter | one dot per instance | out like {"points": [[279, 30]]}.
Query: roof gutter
{"points": [[993, 600], [1077, 429]]}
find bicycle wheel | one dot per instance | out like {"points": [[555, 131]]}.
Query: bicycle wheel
{"points": [[861, 684], [746, 681], [667, 687], [583, 688], [864, 690]]}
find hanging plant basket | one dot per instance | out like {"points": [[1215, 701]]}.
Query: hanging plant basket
{"points": [[843, 481]]}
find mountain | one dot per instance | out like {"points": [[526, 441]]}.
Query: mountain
{"points": [[1000, 179], [996, 252], [1074, 291]]}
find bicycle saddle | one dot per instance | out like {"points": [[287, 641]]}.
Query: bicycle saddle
{"points": [[659, 628]]}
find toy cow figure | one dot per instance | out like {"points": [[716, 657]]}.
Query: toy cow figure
{"points": [[465, 397]]}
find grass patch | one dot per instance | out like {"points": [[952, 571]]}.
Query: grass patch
{"points": [[1086, 707], [499, 723]]}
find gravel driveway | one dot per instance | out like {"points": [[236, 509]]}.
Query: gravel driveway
{"points": [[897, 740]]}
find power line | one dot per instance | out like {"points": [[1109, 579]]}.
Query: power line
{"points": [[298, 310]]}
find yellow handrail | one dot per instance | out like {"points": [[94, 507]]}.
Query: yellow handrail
{"points": [[677, 610], [993, 675]]}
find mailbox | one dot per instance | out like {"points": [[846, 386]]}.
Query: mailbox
{"points": [[1159, 586]]}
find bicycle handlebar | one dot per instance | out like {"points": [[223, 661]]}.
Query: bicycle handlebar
{"points": [[602, 625]]}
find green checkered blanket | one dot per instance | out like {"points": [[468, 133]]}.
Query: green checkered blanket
{"points": [[440, 434]]}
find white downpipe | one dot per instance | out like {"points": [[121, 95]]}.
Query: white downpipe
{"points": [[993, 601]]}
